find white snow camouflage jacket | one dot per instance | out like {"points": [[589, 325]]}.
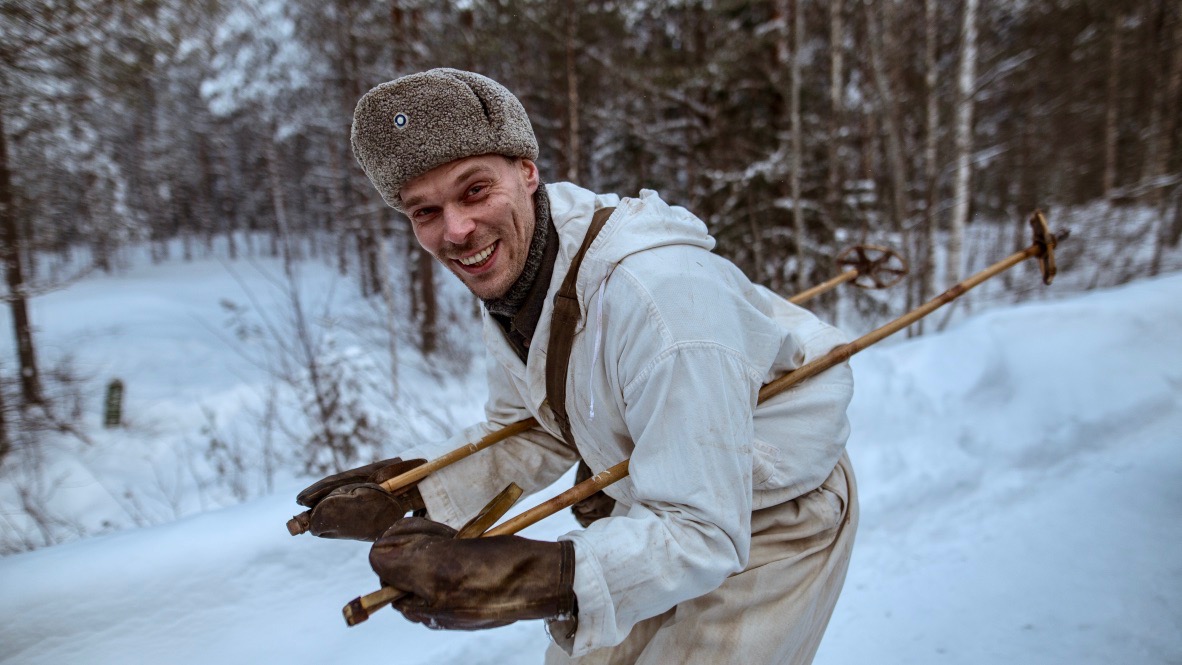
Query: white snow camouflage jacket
{"points": [[669, 356]]}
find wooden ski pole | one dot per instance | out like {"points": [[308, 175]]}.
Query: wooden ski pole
{"points": [[359, 609], [827, 285], [1043, 248], [300, 523], [879, 266], [867, 266]]}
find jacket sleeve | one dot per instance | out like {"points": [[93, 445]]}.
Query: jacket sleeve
{"points": [[691, 524], [533, 459], [689, 397]]}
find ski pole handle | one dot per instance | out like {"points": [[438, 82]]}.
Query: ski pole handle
{"points": [[302, 522], [360, 608]]}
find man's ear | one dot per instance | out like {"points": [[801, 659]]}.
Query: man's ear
{"points": [[530, 174]]}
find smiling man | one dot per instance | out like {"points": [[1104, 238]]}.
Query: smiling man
{"points": [[730, 539]]}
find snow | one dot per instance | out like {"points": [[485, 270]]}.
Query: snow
{"points": [[1020, 492], [1018, 473]]}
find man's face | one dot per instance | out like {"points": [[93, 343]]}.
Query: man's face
{"points": [[476, 216]]}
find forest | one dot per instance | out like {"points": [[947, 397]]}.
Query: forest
{"points": [[793, 128]]}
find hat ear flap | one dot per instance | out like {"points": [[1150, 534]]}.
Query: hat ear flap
{"points": [[490, 101], [510, 131]]}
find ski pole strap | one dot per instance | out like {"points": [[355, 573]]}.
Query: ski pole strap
{"points": [[562, 330]]}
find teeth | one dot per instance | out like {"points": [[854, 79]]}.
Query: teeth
{"points": [[479, 257]]}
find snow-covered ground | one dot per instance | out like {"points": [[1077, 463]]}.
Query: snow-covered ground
{"points": [[1020, 479]]}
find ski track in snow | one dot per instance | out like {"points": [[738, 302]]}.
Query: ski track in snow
{"points": [[1021, 502]]}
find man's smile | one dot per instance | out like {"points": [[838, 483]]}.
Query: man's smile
{"points": [[479, 259]]}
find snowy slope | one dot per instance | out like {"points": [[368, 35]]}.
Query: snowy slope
{"points": [[1021, 486], [195, 345], [1019, 479]]}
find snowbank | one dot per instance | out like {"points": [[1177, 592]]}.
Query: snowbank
{"points": [[1020, 502]]}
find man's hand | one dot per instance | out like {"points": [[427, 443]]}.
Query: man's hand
{"points": [[595, 507], [476, 583], [352, 504]]}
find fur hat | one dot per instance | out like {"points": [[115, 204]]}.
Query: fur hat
{"points": [[408, 126]]}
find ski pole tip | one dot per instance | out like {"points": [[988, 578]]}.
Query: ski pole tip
{"points": [[355, 612], [300, 523]]}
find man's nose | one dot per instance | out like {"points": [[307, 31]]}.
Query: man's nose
{"points": [[457, 226]]}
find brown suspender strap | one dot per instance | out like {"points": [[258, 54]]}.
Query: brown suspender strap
{"points": [[562, 330]]}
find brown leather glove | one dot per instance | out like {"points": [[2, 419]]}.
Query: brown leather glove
{"points": [[595, 507], [474, 583], [352, 505]]}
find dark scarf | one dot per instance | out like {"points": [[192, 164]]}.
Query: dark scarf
{"points": [[520, 309]]}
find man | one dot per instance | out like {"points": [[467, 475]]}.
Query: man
{"points": [[730, 539]]}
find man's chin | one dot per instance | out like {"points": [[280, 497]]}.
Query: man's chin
{"points": [[485, 291]]}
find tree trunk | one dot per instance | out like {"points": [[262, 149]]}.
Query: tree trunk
{"points": [[927, 276], [205, 204], [836, 106], [787, 12], [1112, 101], [391, 320], [1173, 96], [281, 243], [424, 305], [572, 95], [5, 441], [429, 315], [11, 245], [338, 209], [877, 28], [966, 80], [374, 269], [419, 262], [423, 300], [1170, 233], [797, 146], [1157, 151], [369, 277]]}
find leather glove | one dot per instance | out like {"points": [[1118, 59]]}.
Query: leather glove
{"points": [[474, 583], [352, 504], [595, 507]]}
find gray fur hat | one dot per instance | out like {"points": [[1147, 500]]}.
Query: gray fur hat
{"points": [[408, 126]]}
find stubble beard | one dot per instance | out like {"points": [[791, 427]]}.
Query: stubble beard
{"points": [[478, 285], [508, 274]]}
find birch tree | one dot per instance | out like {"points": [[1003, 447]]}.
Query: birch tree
{"points": [[965, 86], [927, 276]]}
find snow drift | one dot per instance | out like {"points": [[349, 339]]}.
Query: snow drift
{"points": [[1019, 479]]}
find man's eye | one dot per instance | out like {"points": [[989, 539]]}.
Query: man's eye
{"points": [[475, 189], [423, 214]]}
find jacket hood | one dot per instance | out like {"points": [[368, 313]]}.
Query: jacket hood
{"points": [[638, 224]]}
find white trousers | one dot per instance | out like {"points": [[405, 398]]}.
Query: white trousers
{"points": [[776, 610]]}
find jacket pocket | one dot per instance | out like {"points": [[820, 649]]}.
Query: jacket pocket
{"points": [[835, 491], [764, 459]]}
